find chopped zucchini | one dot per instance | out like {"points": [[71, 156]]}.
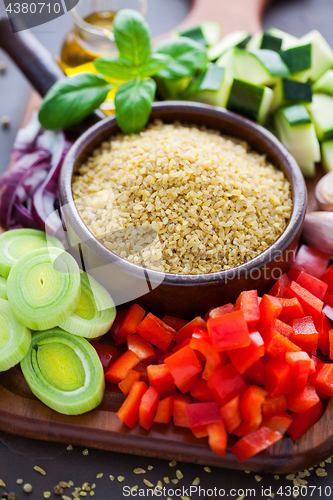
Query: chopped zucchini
{"points": [[287, 39], [234, 39], [287, 92], [260, 67], [206, 33], [212, 86], [322, 54], [327, 155], [265, 40], [172, 89], [298, 58], [296, 131], [226, 61], [321, 111], [251, 100], [325, 83]]}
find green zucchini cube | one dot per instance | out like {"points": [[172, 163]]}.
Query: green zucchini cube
{"points": [[322, 54], [325, 83], [234, 39], [260, 67], [211, 86], [321, 111], [251, 100]]}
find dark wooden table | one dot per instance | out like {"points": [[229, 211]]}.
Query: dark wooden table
{"points": [[18, 456]]}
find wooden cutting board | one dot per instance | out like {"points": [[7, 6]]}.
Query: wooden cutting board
{"points": [[22, 414]]}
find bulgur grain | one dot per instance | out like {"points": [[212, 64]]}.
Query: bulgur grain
{"points": [[183, 200]]}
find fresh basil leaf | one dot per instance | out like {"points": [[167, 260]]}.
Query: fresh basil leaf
{"points": [[116, 68], [186, 56], [133, 104], [155, 63], [70, 100], [132, 36]]}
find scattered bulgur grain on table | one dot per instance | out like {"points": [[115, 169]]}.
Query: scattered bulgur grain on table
{"points": [[173, 463], [150, 467], [139, 470], [27, 488], [19, 481], [69, 447], [47, 494], [207, 469], [148, 483], [85, 452], [100, 475], [196, 481], [40, 470], [58, 490], [2, 484], [120, 479]]}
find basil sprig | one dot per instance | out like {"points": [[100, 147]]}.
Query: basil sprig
{"points": [[73, 98]]}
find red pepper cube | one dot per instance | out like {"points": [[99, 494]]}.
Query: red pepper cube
{"points": [[199, 415], [256, 373], [141, 368], [229, 331], [161, 355], [305, 334], [278, 377], [129, 410], [323, 378], [148, 407], [291, 309], [315, 286], [330, 336], [270, 308], [183, 364], [160, 377], [213, 358], [248, 303], [328, 278], [277, 345], [281, 327], [164, 410], [201, 392], [300, 363], [304, 421], [155, 331], [225, 384], [179, 410], [279, 422], [220, 311], [323, 326], [142, 348], [254, 443], [188, 384], [311, 261], [121, 367], [187, 330], [231, 414], [273, 405], [118, 339], [251, 404], [106, 354], [126, 385], [217, 438], [279, 287], [301, 400], [133, 318], [175, 323], [312, 305], [245, 357], [293, 274]]}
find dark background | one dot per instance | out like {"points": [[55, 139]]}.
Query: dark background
{"points": [[18, 456]]}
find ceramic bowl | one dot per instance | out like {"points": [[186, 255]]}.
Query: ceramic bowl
{"points": [[184, 296]]}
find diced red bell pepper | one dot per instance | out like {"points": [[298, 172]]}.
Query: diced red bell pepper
{"points": [[231, 414], [229, 331], [183, 364], [121, 367], [311, 261], [188, 384], [175, 323], [277, 345], [312, 305], [279, 287], [142, 369], [256, 373], [301, 400], [199, 415], [278, 422], [133, 318], [148, 407], [251, 404], [291, 309], [328, 309], [179, 410], [254, 443], [278, 377], [118, 339], [274, 405], [220, 311], [304, 421], [155, 331], [293, 274], [201, 392], [126, 385], [330, 336], [186, 342], [300, 363], [323, 378], [248, 303], [281, 327], [315, 286], [217, 438], [164, 410], [328, 278], [161, 355], [187, 330], [160, 377], [270, 308], [213, 359], [142, 348], [323, 326], [225, 384], [245, 357], [328, 299], [305, 334], [129, 410], [106, 354]]}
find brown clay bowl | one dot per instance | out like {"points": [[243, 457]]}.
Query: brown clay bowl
{"points": [[185, 296]]}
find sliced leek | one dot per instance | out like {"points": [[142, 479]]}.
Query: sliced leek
{"points": [[43, 288], [3, 288], [15, 338], [94, 313], [64, 371], [18, 242]]}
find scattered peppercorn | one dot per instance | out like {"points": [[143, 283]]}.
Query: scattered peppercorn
{"points": [[27, 488]]}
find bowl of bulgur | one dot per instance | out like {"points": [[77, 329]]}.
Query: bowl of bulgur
{"points": [[199, 206]]}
